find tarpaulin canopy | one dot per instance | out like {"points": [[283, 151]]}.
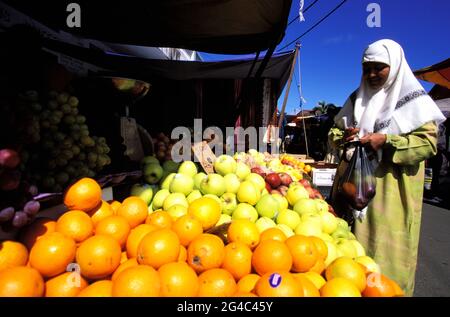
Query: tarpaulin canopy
{"points": [[277, 68], [216, 26], [437, 74]]}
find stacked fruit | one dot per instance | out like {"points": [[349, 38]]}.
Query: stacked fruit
{"points": [[120, 249], [163, 147], [296, 163], [17, 206]]}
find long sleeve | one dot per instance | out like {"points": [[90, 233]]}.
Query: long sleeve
{"points": [[414, 147]]}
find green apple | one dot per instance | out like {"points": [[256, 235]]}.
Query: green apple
{"points": [[332, 253], [245, 211], [322, 205], [305, 205], [195, 194], [351, 236], [165, 184], [175, 199], [268, 207], [181, 183], [149, 160], [282, 201], [346, 247], [289, 218], [309, 216], [329, 222], [188, 168], [309, 228], [224, 165], [340, 233], [228, 202], [223, 219], [153, 173], [295, 193], [265, 192], [369, 263], [242, 170], [170, 166], [286, 230], [358, 247], [274, 164], [213, 184], [232, 183], [177, 211], [150, 209], [343, 224], [198, 179], [326, 237], [145, 192], [257, 180], [159, 198], [264, 223], [248, 193]]}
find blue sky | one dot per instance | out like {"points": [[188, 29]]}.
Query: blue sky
{"points": [[331, 53]]}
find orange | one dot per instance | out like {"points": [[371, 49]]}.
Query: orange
{"points": [[244, 294], [398, 292], [85, 195], [98, 256], [52, 253], [160, 219], [123, 266], [101, 212], [238, 259], [321, 247], [21, 281], [315, 278], [68, 284], [134, 210], [137, 281], [205, 252], [123, 257], [271, 255], [278, 284], [135, 237], [75, 224], [216, 283], [319, 267], [378, 285], [349, 269], [303, 251], [187, 228], [339, 287], [182, 257], [206, 210], [30, 234], [247, 283], [245, 231], [116, 227], [98, 289], [272, 234], [12, 254], [158, 248], [114, 205], [178, 280], [308, 288]]}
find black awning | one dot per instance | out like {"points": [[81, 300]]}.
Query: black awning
{"points": [[216, 26]]}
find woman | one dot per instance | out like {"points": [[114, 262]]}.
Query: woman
{"points": [[392, 114]]}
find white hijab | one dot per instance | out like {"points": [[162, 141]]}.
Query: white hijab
{"points": [[400, 106]]}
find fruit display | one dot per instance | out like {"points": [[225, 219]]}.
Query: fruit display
{"points": [[296, 163], [121, 249]]}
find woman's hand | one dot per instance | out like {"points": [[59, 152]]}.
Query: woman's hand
{"points": [[375, 140], [350, 133]]}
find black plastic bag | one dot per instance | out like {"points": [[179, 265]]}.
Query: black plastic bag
{"points": [[357, 184]]}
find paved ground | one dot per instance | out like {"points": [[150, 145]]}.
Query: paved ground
{"points": [[433, 267]]}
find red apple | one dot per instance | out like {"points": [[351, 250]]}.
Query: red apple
{"points": [[317, 194], [9, 158], [273, 179], [9, 180], [283, 190], [305, 182], [311, 192], [258, 170], [285, 178], [268, 187]]}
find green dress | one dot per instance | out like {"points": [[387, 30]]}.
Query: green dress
{"points": [[390, 231]]}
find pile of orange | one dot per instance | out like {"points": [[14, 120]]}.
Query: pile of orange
{"points": [[103, 249]]}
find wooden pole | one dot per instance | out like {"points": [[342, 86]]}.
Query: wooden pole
{"points": [[286, 95]]}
